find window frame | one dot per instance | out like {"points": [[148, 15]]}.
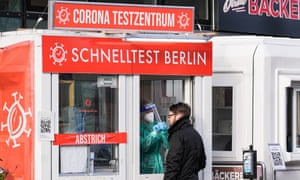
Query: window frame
{"points": [[217, 132], [287, 82], [228, 80], [295, 118], [187, 97], [122, 128]]}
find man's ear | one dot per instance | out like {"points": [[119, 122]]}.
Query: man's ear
{"points": [[179, 116]]}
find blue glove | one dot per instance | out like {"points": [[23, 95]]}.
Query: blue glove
{"points": [[160, 126]]}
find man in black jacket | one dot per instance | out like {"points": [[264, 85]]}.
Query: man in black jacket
{"points": [[186, 155]]}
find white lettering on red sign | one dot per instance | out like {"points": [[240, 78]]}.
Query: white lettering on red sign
{"points": [[137, 56], [86, 16], [183, 57], [96, 16], [123, 18], [285, 9], [115, 56], [144, 18], [90, 139]]}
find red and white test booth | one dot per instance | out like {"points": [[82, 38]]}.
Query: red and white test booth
{"points": [[45, 74]]}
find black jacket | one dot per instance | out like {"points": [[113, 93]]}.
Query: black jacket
{"points": [[186, 155]]}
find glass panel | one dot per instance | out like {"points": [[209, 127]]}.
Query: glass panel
{"points": [[289, 119], [10, 5], [37, 5], [9, 24], [124, 1], [201, 7], [153, 143], [88, 104], [222, 118], [32, 23], [298, 119]]}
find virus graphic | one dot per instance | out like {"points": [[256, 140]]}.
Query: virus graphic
{"points": [[63, 15], [58, 54], [183, 20], [16, 115]]}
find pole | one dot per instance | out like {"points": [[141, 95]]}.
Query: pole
{"points": [[50, 14]]}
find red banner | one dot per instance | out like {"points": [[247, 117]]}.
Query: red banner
{"points": [[97, 16], [116, 56], [90, 138], [17, 114]]}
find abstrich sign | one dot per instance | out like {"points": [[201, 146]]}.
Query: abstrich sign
{"points": [[267, 17], [99, 16], [90, 138]]}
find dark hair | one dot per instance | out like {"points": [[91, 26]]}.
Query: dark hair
{"points": [[181, 107]]}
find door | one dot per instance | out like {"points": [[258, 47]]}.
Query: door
{"points": [[159, 92], [88, 110]]}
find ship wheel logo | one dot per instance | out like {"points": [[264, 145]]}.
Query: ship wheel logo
{"points": [[183, 20], [58, 54], [63, 15], [16, 120]]}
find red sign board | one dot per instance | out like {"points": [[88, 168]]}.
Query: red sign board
{"points": [[17, 122], [63, 54], [97, 16], [90, 138]]}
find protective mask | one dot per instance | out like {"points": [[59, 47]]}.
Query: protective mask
{"points": [[149, 117]]}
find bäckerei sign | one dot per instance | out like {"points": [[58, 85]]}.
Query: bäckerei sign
{"points": [[99, 16], [267, 17]]}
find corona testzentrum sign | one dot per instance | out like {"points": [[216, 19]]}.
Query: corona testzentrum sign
{"points": [[99, 16]]}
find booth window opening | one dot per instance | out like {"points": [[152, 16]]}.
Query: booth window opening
{"points": [[293, 118], [159, 93], [222, 98], [88, 107]]}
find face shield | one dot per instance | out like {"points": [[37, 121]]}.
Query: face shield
{"points": [[150, 113]]}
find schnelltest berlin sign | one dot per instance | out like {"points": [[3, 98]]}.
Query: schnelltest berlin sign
{"points": [[99, 16], [77, 54]]}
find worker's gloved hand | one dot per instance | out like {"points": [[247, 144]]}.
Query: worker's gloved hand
{"points": [[160, 126]]}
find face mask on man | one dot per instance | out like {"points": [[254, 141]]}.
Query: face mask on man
{"points": [[149, 117]]}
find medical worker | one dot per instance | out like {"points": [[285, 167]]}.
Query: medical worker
{"points": [[153, 139]]}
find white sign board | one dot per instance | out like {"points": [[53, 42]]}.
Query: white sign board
{"points": [[46, 125], [276, 157]]}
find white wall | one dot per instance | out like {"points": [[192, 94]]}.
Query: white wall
{"points": [[232, 64], [271, 58]]}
